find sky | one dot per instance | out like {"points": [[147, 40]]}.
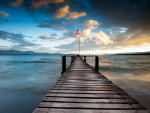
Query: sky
{"points": [[105, 26]]}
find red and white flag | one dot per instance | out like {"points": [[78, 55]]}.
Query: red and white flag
{"points": [[77, 32]]}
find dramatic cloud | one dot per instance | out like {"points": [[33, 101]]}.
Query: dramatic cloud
{"points": [[99, 38], [17, 39], [86, 33], [114, 24], [132, 14], [88, 41], [4, 13], [62, 12], [102, 38], [46, 37], [17, 3], [92, 27], [75, 15], [91, 22], [41, 3], [10, 36]]}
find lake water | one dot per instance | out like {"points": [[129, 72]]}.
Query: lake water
{"points": [[130, 72], [26, 79]]}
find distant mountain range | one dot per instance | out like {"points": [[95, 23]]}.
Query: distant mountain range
{"points": [[16, 52], [136, 53]]}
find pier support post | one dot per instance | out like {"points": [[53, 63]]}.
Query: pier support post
{"points": [[63, 64], [84, 58], [72, 59], [96, 63]]}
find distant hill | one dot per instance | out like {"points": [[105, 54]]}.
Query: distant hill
{"points": [[136, 53], [16, 52]]}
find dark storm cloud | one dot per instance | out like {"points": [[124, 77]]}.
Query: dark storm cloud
{"points": [[122, 13], [132, 14], [16, 39]]}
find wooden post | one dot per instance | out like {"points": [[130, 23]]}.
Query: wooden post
{"points": [[63, 64], [71, 59], [84, 58], [96, 63]]}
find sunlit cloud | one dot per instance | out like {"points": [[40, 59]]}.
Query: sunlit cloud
{"points": [[91, 22], [4, 13], [136, 41], [62, 12], [40, 3], [102, 38], [92, 27], [122, 30], [88, 41], [75, 15], [86, 33], [17, 3], [111, 32], [99, 38]]}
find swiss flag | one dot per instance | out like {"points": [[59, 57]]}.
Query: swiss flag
{"points": [[77, 32]]}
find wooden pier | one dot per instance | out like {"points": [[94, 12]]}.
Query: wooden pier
{"points": [[82, 89]]}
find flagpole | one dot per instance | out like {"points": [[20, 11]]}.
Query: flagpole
{"points": [[79, 44], [78, 33]]}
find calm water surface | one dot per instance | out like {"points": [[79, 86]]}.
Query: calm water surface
{"points": [[130, 72], [26, 79]]}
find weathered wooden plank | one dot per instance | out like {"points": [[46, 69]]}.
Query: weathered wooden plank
{"points": [[78, 81], [63, 82], [72, 85], [98, 96], [88, 92], [52, 110], [83, 100], [92, 86], [89, 89], [91, 106]]}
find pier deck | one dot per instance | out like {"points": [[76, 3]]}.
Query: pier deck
{"points": [[81, 89]]}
